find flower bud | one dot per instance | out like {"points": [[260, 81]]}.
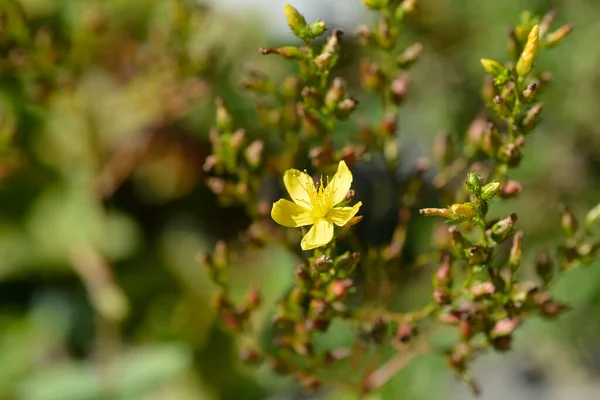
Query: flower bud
{"points": [[253, 153], [464, 210], [365, 36], [545, 22], [511, 189], [502, 229], [296, 21], [473, 183], [558, 35], [317, 29], [224, 119], [345, 108], [492, 67], [311, 96], [337, 290], [501, 333], [311, 122], [568, 222], [516, 251], [530, 90], [371, 77], [490, 190], [410, 55], [332, 45], [500, 106], [375, 4], [511, 152], [482, 289], [532, 114], [442, 296], [335, 94], [398, 88], [435, 212], [477, 255], [525, 63], [543, 267], [405, 332], [324, 61], [443, 276], [249, 356], [289, 52], [302, 274], [592, 217]]}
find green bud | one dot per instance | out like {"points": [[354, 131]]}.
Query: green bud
{"points": [[296, 21], [592, 217], [568, 222], [223, 119], [473, 183], [376, 4], [317, 28], [490, 190], [502, 229]]}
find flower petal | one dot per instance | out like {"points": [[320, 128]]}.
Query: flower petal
{"points": [[298, 185], [341, 215], [340, 184], [289, 214], [319, 235]]}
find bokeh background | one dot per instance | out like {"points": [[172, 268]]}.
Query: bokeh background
{"points": [[105, 108]]}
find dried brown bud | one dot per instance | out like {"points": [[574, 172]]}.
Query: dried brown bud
{"points": [[516, 251], [289, 52], [442, 296], [568, 221], [482, 289], [398, 88], [466, 329], [345, 107], [405, 332], [532, 115], [249, 355], [410, 55], [365, 36], [371, 76], [543, 266], [530, 90], [510, 189], [335, 94]]}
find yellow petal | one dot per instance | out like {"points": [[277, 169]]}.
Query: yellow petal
{"points": [[289, 214], [319, 235], [298, 185], [340, 184], [341, 215]]}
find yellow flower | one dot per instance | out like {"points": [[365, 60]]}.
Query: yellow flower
{"points": [[315, 205]]}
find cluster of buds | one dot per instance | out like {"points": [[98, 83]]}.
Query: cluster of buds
{"points": [[233, 160], [383, 73]]}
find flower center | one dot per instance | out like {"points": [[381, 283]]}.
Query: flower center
{"points": [[320, 197]]}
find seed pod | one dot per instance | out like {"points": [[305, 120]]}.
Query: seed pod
{"points": [[568, 221], [516, 251], [398, 88], [543, 267]]}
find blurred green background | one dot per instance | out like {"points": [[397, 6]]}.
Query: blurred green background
{"points": [[105, 108]]}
